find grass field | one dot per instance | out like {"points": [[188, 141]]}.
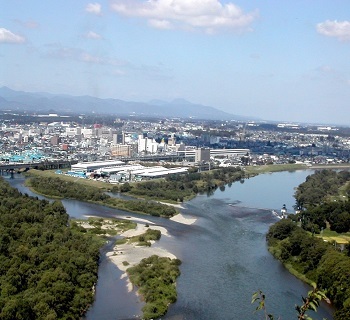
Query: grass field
{"points": [[51, 173], [274, 168], [330, 236]]}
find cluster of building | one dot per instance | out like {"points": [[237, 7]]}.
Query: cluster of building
{"points": [[118, 171], [221, 142]]}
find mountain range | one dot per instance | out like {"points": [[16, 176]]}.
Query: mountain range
{"points": [[43, 102]]}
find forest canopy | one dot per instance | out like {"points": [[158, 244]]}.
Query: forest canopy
{"points": [[324, 200], [323, 204], [47, 270]]}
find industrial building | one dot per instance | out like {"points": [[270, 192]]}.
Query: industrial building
{"points": [[95, 165], [201, 154]]}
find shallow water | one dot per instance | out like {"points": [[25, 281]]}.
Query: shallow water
{"points": [[224, 255]]}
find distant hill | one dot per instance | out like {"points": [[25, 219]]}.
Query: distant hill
{"points": [[41, 102]]}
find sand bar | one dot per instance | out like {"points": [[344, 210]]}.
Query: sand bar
{"points": [[180, 218], [132, 253]]}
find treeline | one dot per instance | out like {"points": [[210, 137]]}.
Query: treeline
{"points": [[321, 202], [316, 259], [47, 270], [320, 185], [182, 187], [56, 187], [156, 278]]}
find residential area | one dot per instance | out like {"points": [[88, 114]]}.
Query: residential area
{"points": [[173, 145]]}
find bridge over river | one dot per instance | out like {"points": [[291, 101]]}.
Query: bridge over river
{"points": [[50, 164]]}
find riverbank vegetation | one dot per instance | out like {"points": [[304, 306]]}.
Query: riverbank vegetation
{"points": [[101, 226], [156, 278], [254, 170], [56, 187], [185, 186], [323, 200], [85, 182], [318, 261], [302, 242], [174, 188], [146, 238], [47, 269]]}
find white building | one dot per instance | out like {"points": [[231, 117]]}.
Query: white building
{"points": [[72, 132], [94, 165], [147, 145]]}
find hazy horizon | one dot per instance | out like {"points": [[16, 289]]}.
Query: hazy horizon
{"points": [[279, 61]]}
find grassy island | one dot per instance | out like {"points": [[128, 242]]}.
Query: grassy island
{"points": [[173, 189], [152, 270], [156, 278], [56, 187], [179, 188]]}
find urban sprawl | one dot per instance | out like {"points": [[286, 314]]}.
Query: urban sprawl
{"points": [[122, 150]]}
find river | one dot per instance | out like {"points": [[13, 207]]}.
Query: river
{"points": [[224, 255]]}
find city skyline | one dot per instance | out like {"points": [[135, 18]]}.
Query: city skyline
{"points": [[274, 60]]}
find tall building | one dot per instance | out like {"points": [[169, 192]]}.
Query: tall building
{"points": [[121, 150], [55, 140], [202, 154], [171, 141], [124, 150], [119, 138]]}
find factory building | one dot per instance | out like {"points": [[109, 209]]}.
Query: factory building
{"points": [[95, 165]]}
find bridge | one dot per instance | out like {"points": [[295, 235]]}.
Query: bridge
{"points": [[157, 157], [51, 164]]}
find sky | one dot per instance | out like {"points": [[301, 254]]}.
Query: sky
{"points": [[271, 59]]}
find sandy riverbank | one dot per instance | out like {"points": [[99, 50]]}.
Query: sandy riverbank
{"points": [[180, 218], [130, 254]]}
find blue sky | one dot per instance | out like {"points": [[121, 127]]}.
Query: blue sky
{"points": [[277, 60]]}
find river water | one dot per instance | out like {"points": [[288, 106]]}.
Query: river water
{"points": [[224, 255]]}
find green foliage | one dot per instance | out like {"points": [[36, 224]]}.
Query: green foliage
{"points": [[320, 262], [333, 275], [120, 241], [145, 238], [310, 302], [47, 269], [323, 199], [56, 187], [180, 187], [152, 234], [156, 279], [318, 186], [125, 187], [281, 230], [259, 296]]}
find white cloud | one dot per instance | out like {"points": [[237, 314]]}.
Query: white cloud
{"points": [[160, 24], [6, 36], [337, 29], [93, 35], [94, 8], [207, 15]]}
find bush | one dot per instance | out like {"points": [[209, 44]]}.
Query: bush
{"points": [[281, 230]]}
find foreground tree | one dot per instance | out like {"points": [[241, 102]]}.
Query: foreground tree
{"points": [[310, 302]]}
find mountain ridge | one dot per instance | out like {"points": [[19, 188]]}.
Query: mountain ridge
{"points": [[43, 101]]}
